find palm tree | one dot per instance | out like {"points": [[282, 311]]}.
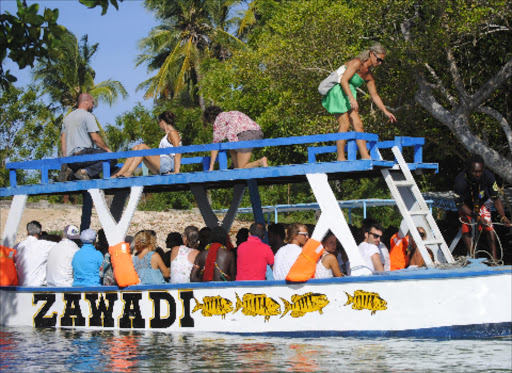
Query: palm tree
{"points": [[191, 30], [69, 74]]}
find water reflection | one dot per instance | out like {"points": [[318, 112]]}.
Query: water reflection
{"points": [[27, 349]]}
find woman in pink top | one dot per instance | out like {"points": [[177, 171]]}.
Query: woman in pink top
{"points": [[234, 126]]}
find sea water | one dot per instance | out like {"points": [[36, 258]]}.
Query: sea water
{"points": [[61, 350]]}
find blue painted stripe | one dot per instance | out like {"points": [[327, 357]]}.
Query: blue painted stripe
{"points": [[494, 330], [421, 274]]}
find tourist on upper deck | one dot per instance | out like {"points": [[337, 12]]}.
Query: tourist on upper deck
{"points": [[475, 191], [150, 268], [414, 255], [369, 247], [340, 99], [216, 262], [31, 257], [59, 271], [296, 236], [327, 266], [87, 261], [254, 255], [184, 256], [234, 126], [276, 236], [158, 164], [79, 136]]}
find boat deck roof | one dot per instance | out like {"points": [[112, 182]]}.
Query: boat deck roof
{"points": [[224, 177]]}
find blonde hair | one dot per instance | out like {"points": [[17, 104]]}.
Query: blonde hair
{"points": [[375, 48], [144, 240], [293, 230]]}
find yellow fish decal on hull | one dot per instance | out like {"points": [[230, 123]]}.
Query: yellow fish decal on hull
{"points": [[301, 304], [214, 306], [257, 304], [366, 300]]}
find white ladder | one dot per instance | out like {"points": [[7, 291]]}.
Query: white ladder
{"points": [[415, 211]]}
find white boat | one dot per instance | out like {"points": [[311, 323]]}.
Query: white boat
{"points": [[440, 301]]}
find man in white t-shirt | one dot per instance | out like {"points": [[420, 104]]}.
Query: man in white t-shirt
{"points": [[369, 247], [60, 271], [31, 257]]}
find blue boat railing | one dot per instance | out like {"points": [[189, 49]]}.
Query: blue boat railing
{"points": [[373, 144]]}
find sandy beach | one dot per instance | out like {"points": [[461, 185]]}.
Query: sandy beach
{"points": [[55, 218]]}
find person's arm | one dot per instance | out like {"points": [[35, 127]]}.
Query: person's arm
{"points": [[213, 157], [195, 274], [352, 67], [175, 139], [501, 211], [96, 138], [63, 143], [158, 263], [232, 268], [377, 264], [372, 88], [332, 264]]}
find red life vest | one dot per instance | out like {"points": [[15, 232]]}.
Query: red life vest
{"points": [[8, 274]]}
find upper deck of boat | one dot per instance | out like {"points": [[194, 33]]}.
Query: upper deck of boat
{"points": [[224, 177]]}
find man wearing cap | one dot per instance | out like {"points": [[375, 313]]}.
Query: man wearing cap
{"points": [[60, 271], [87, 261], [31, 257]]}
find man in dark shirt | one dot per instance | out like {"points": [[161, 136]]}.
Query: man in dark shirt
{"points": [[475, 192]]}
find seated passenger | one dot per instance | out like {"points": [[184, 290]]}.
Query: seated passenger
{"points": [[87, 261], [254, 256], [415, 257], [398, 252], [59, 271], [32, 256], [174, 239], [184, 256], [327, 266], [296, 236], [215, 263], [150, 268], [158, 164], [369, 250]]}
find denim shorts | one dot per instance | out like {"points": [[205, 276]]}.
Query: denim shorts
{"points": [[247, 136], [166, 164]]}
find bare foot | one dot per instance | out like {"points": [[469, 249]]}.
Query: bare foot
{"points": [[264, 162], [342, 160], [367, 158]]}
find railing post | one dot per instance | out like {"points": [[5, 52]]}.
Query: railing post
{"points": [[12, 178]]}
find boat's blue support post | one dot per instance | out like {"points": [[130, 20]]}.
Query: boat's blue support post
{"points": [[85, 222], [256, 205], [238, 193], [351, 150], [223, 160], [201, 197], [44, 174], [12, 178]]}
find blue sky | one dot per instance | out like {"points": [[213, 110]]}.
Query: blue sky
{"points": [[117, 33]]}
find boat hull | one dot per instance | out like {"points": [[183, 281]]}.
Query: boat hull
{"points": [[424, 303]]}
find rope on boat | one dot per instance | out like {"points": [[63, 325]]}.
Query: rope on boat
{"points": [[473, 248]]}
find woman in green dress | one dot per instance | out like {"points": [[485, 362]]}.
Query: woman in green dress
{"points": [[341, 99]]}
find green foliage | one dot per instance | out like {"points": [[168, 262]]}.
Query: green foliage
{"points": [[27, 36], [28, 127], [167, 200], [103, 3]]}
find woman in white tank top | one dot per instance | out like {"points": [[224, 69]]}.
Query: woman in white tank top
{"points": [[327, 266], [183, 257], [158, 164]]}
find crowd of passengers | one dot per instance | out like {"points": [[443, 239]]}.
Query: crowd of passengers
{"points": [[82, 258]]}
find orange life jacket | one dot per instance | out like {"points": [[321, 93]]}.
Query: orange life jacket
{"points": [[8, 274], [304, 267], [122, 265], [398, 252]]}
